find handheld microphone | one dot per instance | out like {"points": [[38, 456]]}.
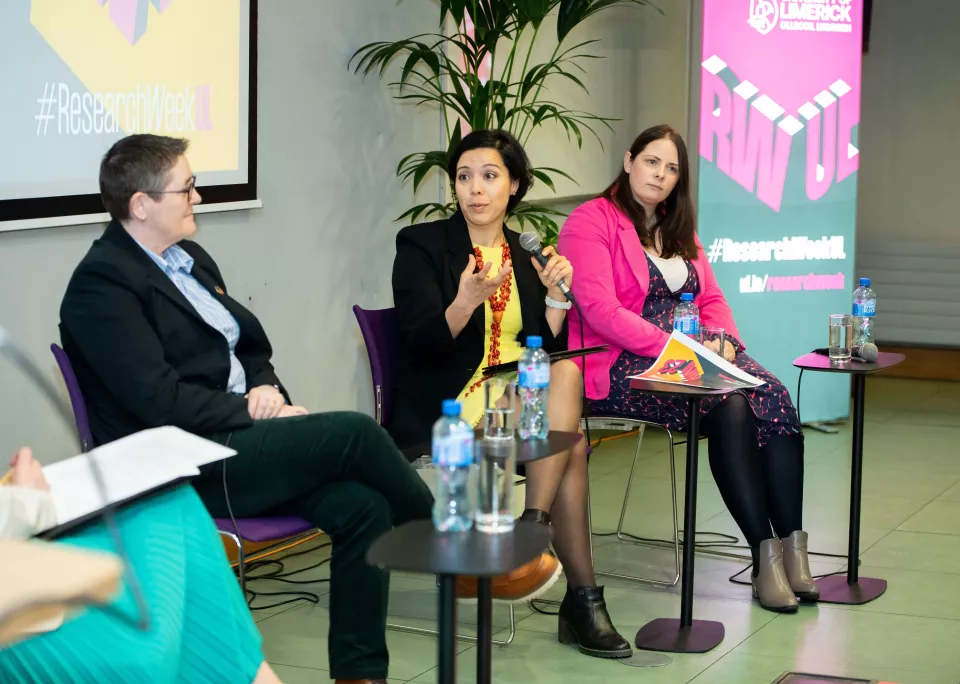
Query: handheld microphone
{"points": [[867, 352], [23, 362], [530, 241]]}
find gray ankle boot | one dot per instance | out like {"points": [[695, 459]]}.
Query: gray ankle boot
{"points": [[771, 585], [797, 566]]}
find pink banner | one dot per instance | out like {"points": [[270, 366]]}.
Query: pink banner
{"points": [[771, 69]]}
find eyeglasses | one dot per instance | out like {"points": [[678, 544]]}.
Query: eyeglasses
{"points": [[191, 186]]}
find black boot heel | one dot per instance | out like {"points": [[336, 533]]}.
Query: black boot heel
{"points": [[565, 634], [585, 623]]}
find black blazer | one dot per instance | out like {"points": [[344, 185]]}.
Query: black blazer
{"points": [[431, 364], [143, 355]]}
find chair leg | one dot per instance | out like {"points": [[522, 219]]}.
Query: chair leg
{"points": [[626, 495], [461, 637], [623, 512]]}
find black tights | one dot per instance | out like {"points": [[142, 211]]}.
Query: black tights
{"points": [[760, 486]]}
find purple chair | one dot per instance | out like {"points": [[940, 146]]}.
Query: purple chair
{"points": [[247, 529], [379, 330], [76, 398]]}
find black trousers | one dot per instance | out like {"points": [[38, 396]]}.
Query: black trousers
{"points": [[342, 472]]}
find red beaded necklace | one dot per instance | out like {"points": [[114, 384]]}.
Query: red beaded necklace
{"points": [[498, 304]]}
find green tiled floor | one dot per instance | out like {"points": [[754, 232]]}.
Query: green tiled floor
{"points": [[910, 536]]}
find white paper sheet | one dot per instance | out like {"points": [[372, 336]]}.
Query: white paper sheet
{"points": [[130, 466]]}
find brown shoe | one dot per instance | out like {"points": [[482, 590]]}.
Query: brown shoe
{"points": [[771, 585], [797, 565], [522, 585]]}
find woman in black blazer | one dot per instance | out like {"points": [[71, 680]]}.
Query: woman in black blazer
{"points": [[467, 296]]}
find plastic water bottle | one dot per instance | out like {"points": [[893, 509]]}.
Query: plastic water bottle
{"points": [[865, 312], [686, 316], [534, 386], [452, 461]]}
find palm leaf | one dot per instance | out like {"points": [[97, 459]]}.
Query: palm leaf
{"points": [[427, 210]]}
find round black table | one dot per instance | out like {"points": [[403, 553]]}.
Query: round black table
{"points": [[418, 547], [852, 589], [685, 635], [528, 450]]}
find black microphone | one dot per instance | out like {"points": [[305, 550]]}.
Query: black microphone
{"points": [[20, 359], [530, 241], [867, 352]]}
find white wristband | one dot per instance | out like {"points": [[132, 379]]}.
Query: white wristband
{"points": [[554, 304]]}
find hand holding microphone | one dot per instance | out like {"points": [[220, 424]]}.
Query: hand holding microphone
{"points": [[555, 271]]}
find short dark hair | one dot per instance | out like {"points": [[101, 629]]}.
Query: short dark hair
{"points": [[137, 163], [676, 218], [510, 149]]}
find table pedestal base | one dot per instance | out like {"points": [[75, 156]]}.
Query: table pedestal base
{"points": [[836, 589], [666, 634]]}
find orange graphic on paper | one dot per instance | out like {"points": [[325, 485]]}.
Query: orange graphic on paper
{"points": [[681, 364], [687, 370]]}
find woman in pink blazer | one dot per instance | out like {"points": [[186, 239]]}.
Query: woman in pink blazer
{"points": [[635, 251]]}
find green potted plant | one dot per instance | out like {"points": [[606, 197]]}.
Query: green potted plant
{"points": [[481, 74]]}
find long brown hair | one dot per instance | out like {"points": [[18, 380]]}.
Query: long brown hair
{"points": [[675, 217]]}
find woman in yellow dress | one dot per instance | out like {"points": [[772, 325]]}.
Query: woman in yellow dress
{"points": [[467, 296]]}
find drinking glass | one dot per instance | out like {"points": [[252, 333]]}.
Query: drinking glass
{"points": [[711, 336], [841, 337], [497, 463], [499, 407]]}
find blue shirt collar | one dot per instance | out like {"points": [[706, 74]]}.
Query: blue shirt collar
{"points": [[174, 259]]}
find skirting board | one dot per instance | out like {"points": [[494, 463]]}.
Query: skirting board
{"points": [[924, 363]]}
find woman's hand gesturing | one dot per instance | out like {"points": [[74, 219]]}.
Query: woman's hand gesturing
{"points": [[476, 288]]}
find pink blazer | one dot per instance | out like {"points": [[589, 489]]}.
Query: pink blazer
{"points": [[610, 281]]}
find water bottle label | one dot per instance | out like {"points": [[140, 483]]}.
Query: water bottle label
{"points": [[864, 308], [688, 325], [453, 451], [535, 377]]}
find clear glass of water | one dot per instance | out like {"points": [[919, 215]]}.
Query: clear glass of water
{"points": [[499, 407], [712, 338], [496, 461], [841, 337]]}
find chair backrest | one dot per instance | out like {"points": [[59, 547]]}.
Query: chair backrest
{"points": [[379, 329], [76, 397]]}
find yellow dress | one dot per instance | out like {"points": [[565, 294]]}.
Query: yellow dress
{"points": [[471, 403]]}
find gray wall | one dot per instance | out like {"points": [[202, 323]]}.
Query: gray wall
{"points": [[908, 233], [328, 146], [910, 114], [641, 81]]}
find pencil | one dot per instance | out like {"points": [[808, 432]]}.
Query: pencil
{"points": [[6, 478]]}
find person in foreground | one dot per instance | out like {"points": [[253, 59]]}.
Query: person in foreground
{"points": [[200, 628], [155, 339], [635, 251], [466, 296]]}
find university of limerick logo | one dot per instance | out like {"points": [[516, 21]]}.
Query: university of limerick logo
{"points": [[763, 15]]}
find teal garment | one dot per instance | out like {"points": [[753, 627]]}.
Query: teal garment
{"points": [[200, 628]]}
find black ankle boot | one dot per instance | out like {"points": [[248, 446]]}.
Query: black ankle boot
{"points": [[536, 515], [584, 622]]}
